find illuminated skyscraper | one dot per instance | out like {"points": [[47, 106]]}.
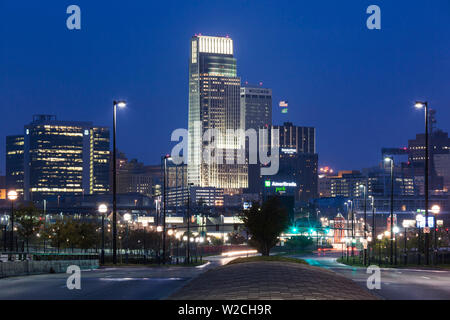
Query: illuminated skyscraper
{"points": [[214, 103], [64, 157]]}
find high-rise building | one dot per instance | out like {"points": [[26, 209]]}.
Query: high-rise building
{"points": [[14, 163], [256, 107], [59, 158], [439, 149], [298, 165], [214, 103], [256, 113]]}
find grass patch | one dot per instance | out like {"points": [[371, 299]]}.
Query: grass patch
{"points": [[277, 258]]}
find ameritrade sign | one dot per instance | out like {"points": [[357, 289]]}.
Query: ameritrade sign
{"points": [[283, 184]]}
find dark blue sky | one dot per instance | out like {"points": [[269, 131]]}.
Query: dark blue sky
{"points": [[356, 86]]}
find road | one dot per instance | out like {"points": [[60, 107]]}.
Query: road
{"points": [[132, 283], [396, 284]]}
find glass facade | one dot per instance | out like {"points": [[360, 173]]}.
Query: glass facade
{"points": [[214, 103], [14, 162], [64, 157]]}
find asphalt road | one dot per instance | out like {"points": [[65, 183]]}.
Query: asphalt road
{"points": [[133, 283], [396, 284]]}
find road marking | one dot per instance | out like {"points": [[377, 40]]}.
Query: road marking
{"points": [[426, 278]]}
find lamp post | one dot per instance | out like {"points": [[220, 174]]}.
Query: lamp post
{"points": [[396, 231], [365, 222], [127, 218], [120, 104], [170, 234], [424, 105], [353, 226], [12, 196], [165, 158], [103, 209], [391, 161], [435, 209], [189, 223], [374, 230]]}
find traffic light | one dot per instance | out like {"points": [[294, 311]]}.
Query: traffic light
{"points": [[311, 230], [327, 231], [294, 230], [217, 227]]}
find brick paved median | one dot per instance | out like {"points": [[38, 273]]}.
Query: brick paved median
{"points": [[271, 281]]}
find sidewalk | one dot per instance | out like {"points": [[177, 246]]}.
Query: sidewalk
{"points": [[271, 281]]}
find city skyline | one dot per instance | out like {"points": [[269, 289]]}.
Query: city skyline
{"points": [[80, 95]]}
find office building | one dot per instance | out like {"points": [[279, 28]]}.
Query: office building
{"points": [[256, 107], [298, 165], [59, 158], [14, 163], [214, 103]]}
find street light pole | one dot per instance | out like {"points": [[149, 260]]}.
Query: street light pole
{"points": [[365, 223], [374, 230], [120, 104], [12, 196], [391, 160], [424, 105], [165, 158], [188, 223], [103, 209]]}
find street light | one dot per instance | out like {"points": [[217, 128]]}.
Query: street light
{"points": [[120, 104], [127, 218], [435, 209], [102, 209], [424, 105], [12, 196], [365, 221], [165, 158], [391, 161]]}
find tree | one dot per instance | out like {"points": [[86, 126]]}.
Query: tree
{"points": [[236, 238], [29, 221], [299, 243], [265, 223], [86, 235]]}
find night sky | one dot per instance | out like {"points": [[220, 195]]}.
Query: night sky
{"points": [[356, 86]]}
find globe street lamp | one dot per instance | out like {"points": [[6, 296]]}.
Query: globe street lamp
{"points": [[102, 209], [12, 196], [120, 104], [127, 218], [435, 209], [391, 161], [424, 105]]}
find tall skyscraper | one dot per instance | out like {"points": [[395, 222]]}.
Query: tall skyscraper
{"points": [[256, 107], [60, 158], [256, 113], [214, 103]]}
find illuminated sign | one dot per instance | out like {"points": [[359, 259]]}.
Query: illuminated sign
{"points": [[279, 184], [283, 184], [2, 194], [283, 104], [420, 221], [289, 150]]}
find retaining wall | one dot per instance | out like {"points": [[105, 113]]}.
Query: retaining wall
{"points": [[20, 268]]}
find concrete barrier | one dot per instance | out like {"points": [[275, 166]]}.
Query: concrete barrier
{"points": [[21, 268]]}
